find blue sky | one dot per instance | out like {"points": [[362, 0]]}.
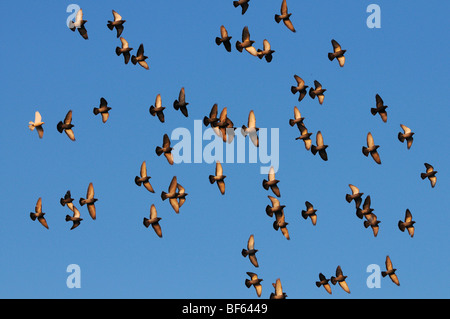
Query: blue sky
{"points": [[47, 68]]}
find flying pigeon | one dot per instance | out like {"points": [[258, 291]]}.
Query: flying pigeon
{"points": [[37, 124], [66, 126], [285, 16], [166, 149]]}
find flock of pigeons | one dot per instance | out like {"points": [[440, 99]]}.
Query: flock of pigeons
{"points": [[224, 127]]}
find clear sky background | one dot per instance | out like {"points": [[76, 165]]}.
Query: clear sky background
{"points": [[46, 67]]}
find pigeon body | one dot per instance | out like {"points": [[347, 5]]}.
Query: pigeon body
{"points": [[172, 195], [89, 201], [317, 91], [366, 210], [143, 179], [251, 251], [67, 200], [340, 279], [390, 271], [212, 119], [272, 182], [140, 58], [371, 149], [280, 223], [301, 87], [224, 38], [75, 218], [406, 135], [79, 24], [103, 109], [166, 149], [355, 195], [116, 23], [337, 53], [279, 293], [380, 108], [66, 126], [158, 109], [408, 223], [430, 174], [154, 221], [124, 50], [298, 119], [266, 53], [181, 103], [324, 282], [285, 16], [305, 137], [246, 43], [372, 221], [276, 207], [37, 124], [320, 147], [310, 212], [218, 178], [255, 282], [251, 130], [243, 4], [39, 214]]}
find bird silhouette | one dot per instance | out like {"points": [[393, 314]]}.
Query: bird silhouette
{"points": [[310, 212], [75, 218], [181, 103], [271, 182], [371, 149], [66, 126], [255, 282], [340, 279], [355, 195], [317, 91], [79, 24], [158, 109], [390, 271], [372, 221], [305, 137], [39, 214], [103, 109], [218, 178], [246, 43], [37, 124], [366, 210], [266, 52], [251, 130], [224, 38], [154, 221], [320, 147], [430, 174], [243, 4], [116, 23], [251, 251], [323, 281], [143, 179], [406, 135], [301, 87], [89, 201], [337, 53], [279, 293], [166, 149], [276, 207], [67, 200], [140, 58], [380, 108], [408, 223], [285, 16], [172, 195], [124, 50]]}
